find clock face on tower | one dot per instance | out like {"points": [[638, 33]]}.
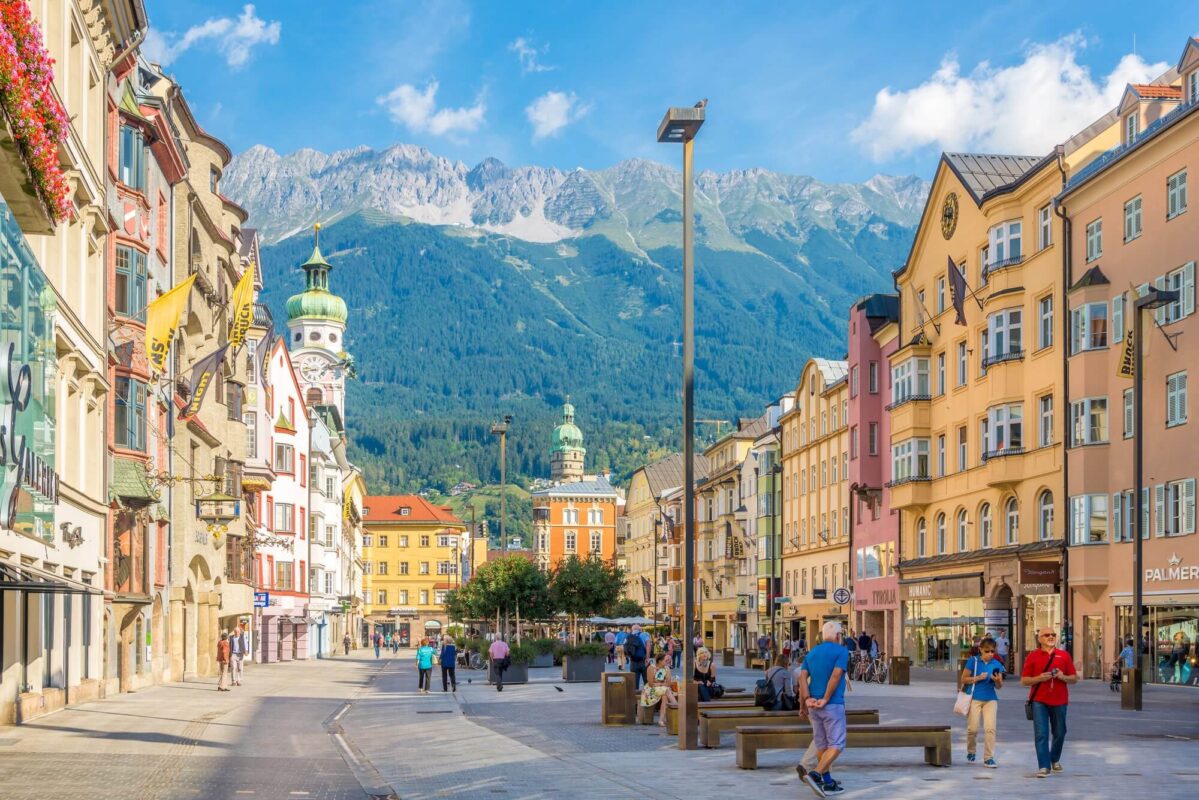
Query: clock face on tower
{"points": [[314, 368]]}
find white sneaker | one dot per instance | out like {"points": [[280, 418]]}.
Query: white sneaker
{"points": [[1042, 773]]}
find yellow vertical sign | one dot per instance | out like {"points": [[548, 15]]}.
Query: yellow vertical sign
{"points": [[243, 307], [1127, 366], [162, 318]]}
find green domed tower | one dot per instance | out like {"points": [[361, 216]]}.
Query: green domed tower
{"points": [[566, 448], [316, 323]]}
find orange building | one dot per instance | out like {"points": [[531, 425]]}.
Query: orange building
{"points": [[576, 518]]}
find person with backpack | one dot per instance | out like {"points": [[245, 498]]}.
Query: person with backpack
{"points": [[981, 676], [378, 642], [635, 649], [776, 691], [1049, 671]]}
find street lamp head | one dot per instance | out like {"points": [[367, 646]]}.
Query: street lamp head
{"points": [[1156, 298], [681, 124]]}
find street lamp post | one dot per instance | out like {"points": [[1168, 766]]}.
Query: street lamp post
{"points": [[775, 544], [501, 428], [680, 125], [1153, 298]]}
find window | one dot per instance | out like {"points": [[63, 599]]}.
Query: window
{"points": [[962, 465], [571, 541], [424, 540], [329, 588], [853, 381], [424, 568], [1088, 327], [942, 544], [909, 381], [921, 537], [447, 568], [984, 526], [940, 373], [570, 516], [403, 600], [383, 540], [250, 420], [132, 165], [984, 258], [595, 542], [963, 532], [1044, 227], [303, 470], [1011, 521], [1176, 194], [404, 540], [1088, 519], [1181, 280], [1176, 399], [1088, 421], [1094, 240], [1129, 418], [1132, 219], [1006, 339], [424, 597], [909, 460], [382, 597], [1132, 124], [284, 575], [1193, 87], [1174, 507], [1006, 428], [403, 567], [446, 541], [285, 456], [940, 302], [1045, 434], [1045, 309], [285, 518], [131, 283], [330, 486], [941, 456], [382, 567], [872, 438], [873, 377], [366, 568], [1118, 318], [366, 540], [440, 595], [1004, 244], [962, 364], [853, 441], [130, 414], [1045, 515]]}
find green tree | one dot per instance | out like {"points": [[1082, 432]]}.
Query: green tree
{"points": [[624, 607], [584, 587], [509, 585]]}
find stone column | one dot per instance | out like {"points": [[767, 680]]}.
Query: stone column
{"points": [[175, 642]]}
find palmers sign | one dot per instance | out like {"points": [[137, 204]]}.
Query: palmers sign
{"points": [[1175, 571]]}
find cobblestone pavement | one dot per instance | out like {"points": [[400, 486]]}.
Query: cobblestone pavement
{"points": [[263, 740]]}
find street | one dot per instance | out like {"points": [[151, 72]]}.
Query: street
{"points": [[356, 728]]}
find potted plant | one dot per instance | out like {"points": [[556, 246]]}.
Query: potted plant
{"points": [[518, 671], [584, 662], [543, 650]]}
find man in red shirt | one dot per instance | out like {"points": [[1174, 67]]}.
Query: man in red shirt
{"points": [[1049, 671]]}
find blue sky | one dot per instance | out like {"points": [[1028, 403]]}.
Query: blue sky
{"points": [[793, 87]]}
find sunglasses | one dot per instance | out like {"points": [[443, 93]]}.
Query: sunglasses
{"points": [[1048, 635]]}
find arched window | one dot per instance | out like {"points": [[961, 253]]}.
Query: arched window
{"points": [[941, 543], [921, 537], [963, 533], [1045, 515], [984, 525], [1011, 521]]}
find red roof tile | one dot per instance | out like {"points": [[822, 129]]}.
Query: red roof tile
{"points": [[387, 508], [1150, 91]]}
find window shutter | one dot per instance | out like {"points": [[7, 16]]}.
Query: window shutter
{"points": [[1188, 505], [1118, 318], [1115, 518], [1188, 288], [1144, 513], [1159, 510], [1171, 399], [1159, 314]]}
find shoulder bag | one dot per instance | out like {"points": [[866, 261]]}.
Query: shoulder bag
{"points": [[962, 705], [1033, 691]]}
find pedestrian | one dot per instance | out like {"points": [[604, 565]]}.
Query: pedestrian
{"points": [[637, 652], [864, 642], [764, 650], [787, 649], [873, 647], [237, 652], [395, 644], [982, 676], [657, 691], [499, 660], [1128, 654], [1049, 671], [811, 756], [424, 664], [677, 647], [449, 663], [668, 648], [704, 675], [696, 643], [610, 641], [782, 682], [378, 640], [822, 701], [222, 662], [1001, 650], [345, 642], [621, 637], [387, 641]]}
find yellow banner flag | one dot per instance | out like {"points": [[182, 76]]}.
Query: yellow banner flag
{"points": [[1127, 366], [243, 308], [162, 318]]}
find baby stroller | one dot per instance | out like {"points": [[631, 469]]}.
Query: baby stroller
{"points": [[1117, 675]]}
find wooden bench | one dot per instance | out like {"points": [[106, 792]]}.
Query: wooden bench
{"points": [[935, 739], [725, 704], [712, 722]]}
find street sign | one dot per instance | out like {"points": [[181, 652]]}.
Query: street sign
{"points": [[262, 599], [841, 597]]}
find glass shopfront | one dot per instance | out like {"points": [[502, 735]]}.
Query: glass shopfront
{"points": [[1168, 653], [937, 633], [1043, 611]]}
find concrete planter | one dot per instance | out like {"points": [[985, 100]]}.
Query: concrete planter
{"points": [[543, 660], [517, 673], [582, 669], [16, 185]]}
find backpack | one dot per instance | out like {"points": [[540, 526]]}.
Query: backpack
{"points": [[764, 694], [634, 648]]}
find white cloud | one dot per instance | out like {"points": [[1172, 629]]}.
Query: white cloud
{"points": [[235, 39], [1024, 109], [418, 111], [528, 53], [553, 111]]}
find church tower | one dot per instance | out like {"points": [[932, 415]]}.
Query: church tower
{"points": [[566, 448], [316, 324]]}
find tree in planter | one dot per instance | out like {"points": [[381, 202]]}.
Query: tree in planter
{"points": [[624, 607], [511, 585], [585, 587]]}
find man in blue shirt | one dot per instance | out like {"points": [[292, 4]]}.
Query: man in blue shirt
{"points": [[981, 676], [822, 701]]}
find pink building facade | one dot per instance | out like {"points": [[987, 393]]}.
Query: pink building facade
{"points": [[874, 529]]}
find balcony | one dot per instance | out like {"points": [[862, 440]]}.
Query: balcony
{"points": [[912, 398], [1003, 358], [999, 266], [913, 492], [1004, 467], [263, 317], [911, 417]]}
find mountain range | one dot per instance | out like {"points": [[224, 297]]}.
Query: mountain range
{"points": [[478, 291]]}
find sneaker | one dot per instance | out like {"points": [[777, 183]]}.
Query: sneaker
{"points": [[990, 763], [1057, 767], [1042, 773], [971, 758], [832, 787], [813, 780]]}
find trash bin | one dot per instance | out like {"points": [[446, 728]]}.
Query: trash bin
{"points": [[1128, 701], [901, 670], [730, 656], [618, 698]]}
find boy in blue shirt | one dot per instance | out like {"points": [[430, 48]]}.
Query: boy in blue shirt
{"points": [[822, 701], [981, 677]]}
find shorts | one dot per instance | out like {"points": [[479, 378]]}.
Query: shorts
{"points": [[828, 726]]}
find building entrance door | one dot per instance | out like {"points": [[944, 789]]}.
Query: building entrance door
{"points": [[1092, 643]]}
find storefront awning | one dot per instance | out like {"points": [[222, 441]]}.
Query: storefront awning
{"points": [[35, 581], [432, 624]]}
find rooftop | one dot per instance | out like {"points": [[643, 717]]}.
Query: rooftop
{"points": [[982, 172], [599, 486], [1151, 91], [390, 508], [667, 473]]}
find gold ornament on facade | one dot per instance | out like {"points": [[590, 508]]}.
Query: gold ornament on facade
{"points": [[949, 215]]}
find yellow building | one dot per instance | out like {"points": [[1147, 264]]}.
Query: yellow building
{"points": [[725, 554], [976, 409], [816, 502], [412, 554]]}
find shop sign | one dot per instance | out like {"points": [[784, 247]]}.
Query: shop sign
{"points": [[401, 612], [819, 594], [1039, 572], [943, 589], [1176, 571]]}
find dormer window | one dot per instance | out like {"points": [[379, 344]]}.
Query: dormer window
{"points": [[1192, 87], [405, 511], [1132, 124]]}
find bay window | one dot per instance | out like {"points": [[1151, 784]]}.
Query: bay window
{"points": [[1005, 429], [909, 381], [1004, 246], [909, 461], [1088, 421], [131, 283], [1005, 338], [1088, 327], [1088, 519], [130, 414]]}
